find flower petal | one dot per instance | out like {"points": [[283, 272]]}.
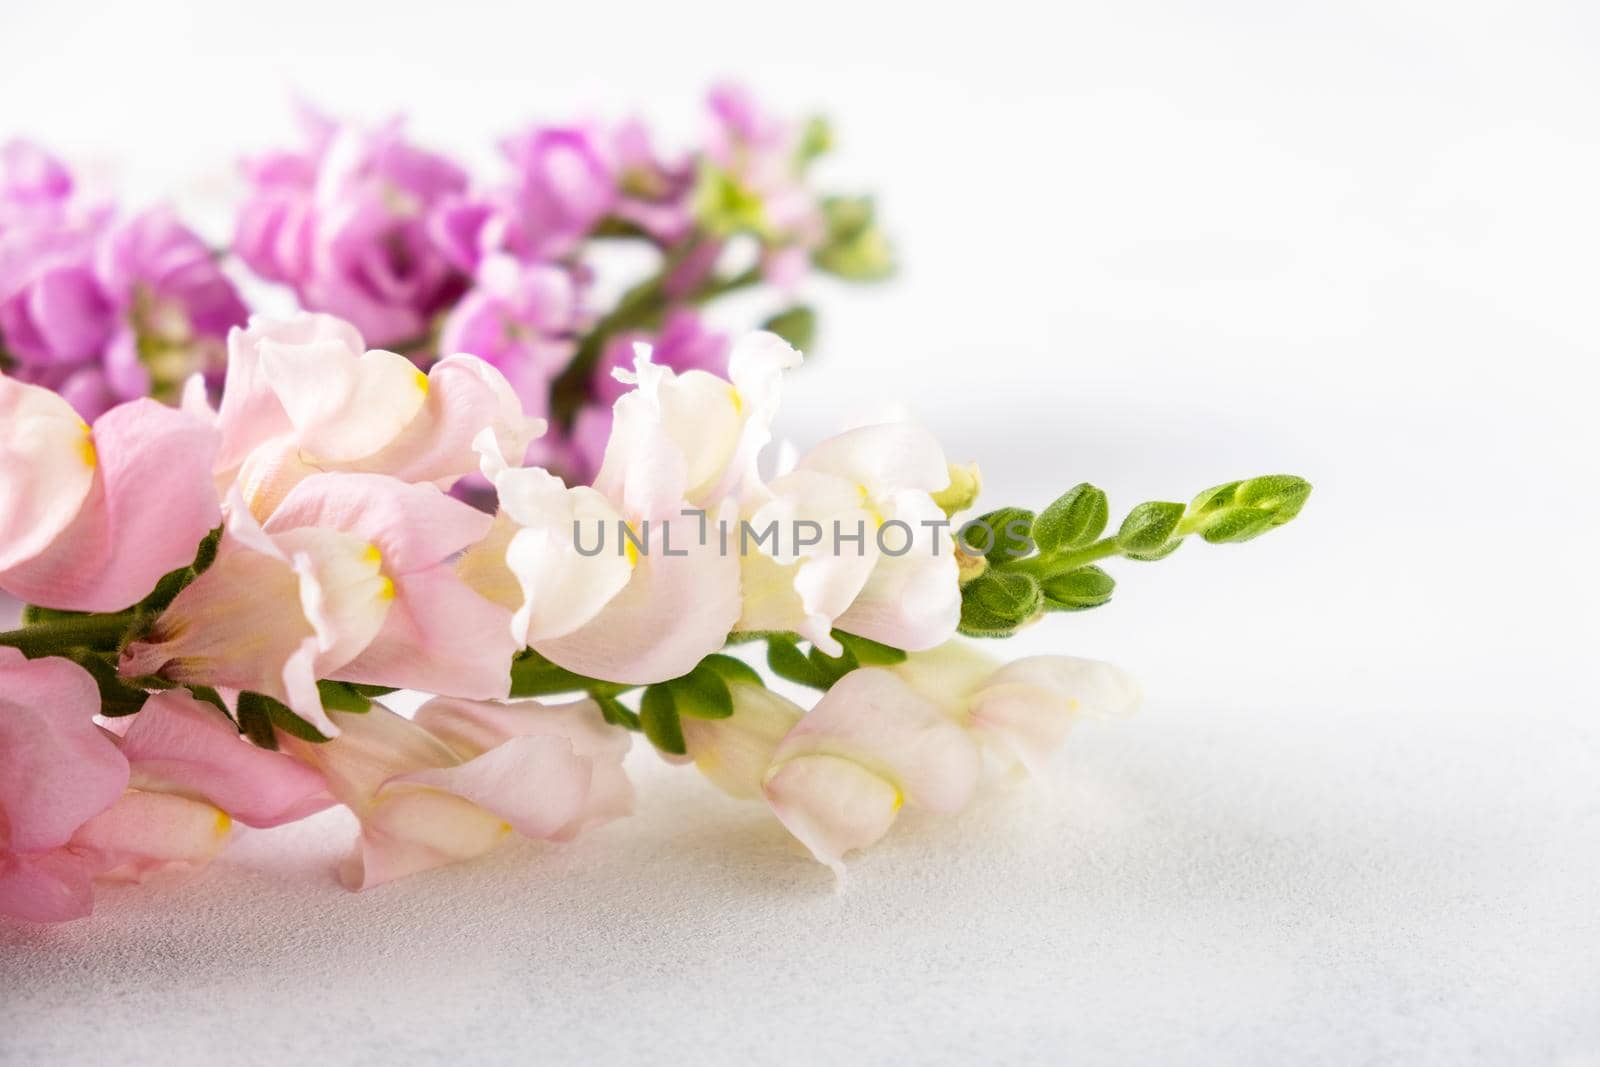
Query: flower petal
{"points": [[47, 467], [872, 717], [145, 833], [47, 887], [674, 611], [440, 637], [57, 768], [118, 546], [735, 752], [413, 526], [176, 744], [832, 805]]}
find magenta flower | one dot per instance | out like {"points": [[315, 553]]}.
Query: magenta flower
{"points": [[103, 311], [346, 224], [523, 320]]}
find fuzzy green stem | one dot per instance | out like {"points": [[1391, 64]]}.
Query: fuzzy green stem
{"points": [[53, 637], [1058, 562]]}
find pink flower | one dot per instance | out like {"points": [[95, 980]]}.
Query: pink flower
{"points": [[345, 223], [683, 343], [870, 745], [77, 527], [1018, 712], [458, 780], [563, 185], [80, 804], [348, 579], [303, 395], [521, 320]]}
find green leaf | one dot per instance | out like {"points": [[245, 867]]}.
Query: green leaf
{"points": [[831, 668], [616, 712], [1148, 528], [658, 718], [340, 696], [255, 720], [797, 325], [816, 139], [1006, 532], [788, 662], [732, 669], [260, 715], [1078, 590], [869, 653], [701, 694], [998, 603], [534, 676], [1076, 518]]}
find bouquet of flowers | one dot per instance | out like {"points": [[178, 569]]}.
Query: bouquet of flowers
{"points": [[222, 592], [402, 243]]}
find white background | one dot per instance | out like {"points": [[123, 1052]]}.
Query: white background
{"points": [[1156, 246]]}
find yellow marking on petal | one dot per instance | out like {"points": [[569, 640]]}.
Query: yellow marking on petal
{"points": [[373, 556], [505, 827], [86, 449], [385, 587], [899, 799], [868, 504], [738, 401], [630, 549], [422, 382], [224, 822]]}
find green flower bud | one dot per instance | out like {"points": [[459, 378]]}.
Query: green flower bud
{"points": [[1076, 518], [1078, 590], [855, 248], [723, 206], [999, 603], [999, 536], [1148, 528]]}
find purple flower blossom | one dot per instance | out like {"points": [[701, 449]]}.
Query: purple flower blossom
{"points": [[99, 310], [347, 224], [523, 319]]}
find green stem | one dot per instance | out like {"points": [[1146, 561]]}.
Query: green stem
{"points": [[50, 637], [1057, 562], [640, 308]]}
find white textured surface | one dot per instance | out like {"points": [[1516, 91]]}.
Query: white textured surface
{"points": [[1154, 245]]}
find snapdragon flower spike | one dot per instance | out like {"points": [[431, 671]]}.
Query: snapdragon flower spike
{"points": [[304, 395], [857, 483], [871, 745], [77, 528], [80, 804], [455, 781], [349, 579]]}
